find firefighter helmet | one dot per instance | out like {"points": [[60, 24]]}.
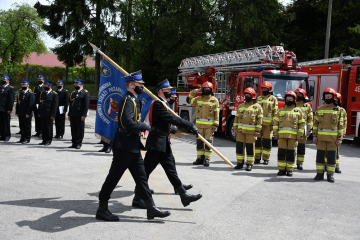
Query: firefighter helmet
{"points": [[290, 93], [208, 85], [338, 95], [251, 91], [331, 91], [267, 85], [302, 91]]}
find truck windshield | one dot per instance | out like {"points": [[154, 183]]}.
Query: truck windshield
{"points": [[281, 86]]}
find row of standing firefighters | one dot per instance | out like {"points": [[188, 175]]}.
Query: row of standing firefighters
{"points": [[257, 119]]}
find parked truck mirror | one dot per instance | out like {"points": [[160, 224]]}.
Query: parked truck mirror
{"points": [[311, 91]]}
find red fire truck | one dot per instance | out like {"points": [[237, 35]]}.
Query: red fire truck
{"points": [[232, 72], [343, 75]]}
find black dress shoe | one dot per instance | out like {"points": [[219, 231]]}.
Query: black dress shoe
{"points": [[7, 139], [108, 150], [20, 141], [56, 136], [36, 135], [60, 137], [138, 203], [72, 146], [78, 146], [42, 143], [187, 187], [186, 198], [25, 141], [153, 211], [104, 214], [47, 143], [102, 150]]}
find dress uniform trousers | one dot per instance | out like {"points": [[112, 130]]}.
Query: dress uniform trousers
{"points": [[263, 144], [242, 141], [60, 124], [326, 150], [301, 150], [5, 125], [38, 128], [25, 128], [123, 160], [286, 154], [47, 129], [77, 130], [201, 147]]}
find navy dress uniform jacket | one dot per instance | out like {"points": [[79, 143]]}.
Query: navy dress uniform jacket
{"points": [[64, 98], [25, 103], [79, 105], [7, 98], [49, 103]]}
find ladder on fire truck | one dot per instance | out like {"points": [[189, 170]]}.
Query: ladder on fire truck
{"points": [[338, 60]]}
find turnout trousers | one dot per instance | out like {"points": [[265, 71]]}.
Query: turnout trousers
{"points": [[201, 147], [263, 144], [300, 158], [245, 141], [326, 149], [286, 154], [123, 160]]}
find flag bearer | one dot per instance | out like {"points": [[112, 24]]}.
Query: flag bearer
{"points": [[269, 105], [289, 129], [308, 117], [247, 125], [328, 134]]}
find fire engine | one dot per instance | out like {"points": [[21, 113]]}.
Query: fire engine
{"points": [[232, 72], [343, 75]]}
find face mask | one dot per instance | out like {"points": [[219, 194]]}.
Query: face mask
{"points": [[264, 93], [299, 99], [329, 101], [23, 88], [171, 101], [167, 94], [248, 99], [3, 81], [138, 90], [40, 82], [59, 87], [77, 87], [46, 88], [207, 93], [289, 103]]}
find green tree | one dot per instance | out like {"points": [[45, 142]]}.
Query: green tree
{"points": [[20, 32]]}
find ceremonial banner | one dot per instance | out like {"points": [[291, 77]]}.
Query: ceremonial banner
{"points": [[111, 90]]}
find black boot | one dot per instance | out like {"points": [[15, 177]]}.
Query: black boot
{"points": [[108, 150], [330, 178], [206, 162], [289, 173], [137, 201], [266, 162], [319, 176], [187, 187], [248, 167], [103, 149], [257, 161], [103, 212], [337, 169], [239, 166], [281, 173], [186, 198], [300, 167], [153, 211], [198, 161]]}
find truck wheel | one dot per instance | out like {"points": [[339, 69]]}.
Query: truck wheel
{"points": [[185, 116], [231, 130]]}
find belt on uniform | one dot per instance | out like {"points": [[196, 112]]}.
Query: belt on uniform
{"points": [[166, 134], [121, 130]]}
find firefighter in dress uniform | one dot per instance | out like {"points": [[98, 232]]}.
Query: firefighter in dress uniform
{"points": [[64, 99], [289, 127], [37, 91], [247, 125], [308, 117], [78, 110], [24, 111], [49, 103], [7, 98], [344, 114], [269, 105], [159, 147], [328, 133], [207, 120], [126, 152]]}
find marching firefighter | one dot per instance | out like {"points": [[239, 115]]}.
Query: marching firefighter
{"points": [[207, 120], [289, 130], [247, 125], [344, 114], [308, 117], [269, 105], [328, 134]]}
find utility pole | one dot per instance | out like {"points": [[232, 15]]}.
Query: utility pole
{"points": [[328, 26]]}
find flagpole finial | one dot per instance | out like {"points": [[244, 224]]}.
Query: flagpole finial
{"points": [[94, 47]]}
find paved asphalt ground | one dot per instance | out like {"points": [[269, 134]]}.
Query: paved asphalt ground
{"points": [[51, 193]]}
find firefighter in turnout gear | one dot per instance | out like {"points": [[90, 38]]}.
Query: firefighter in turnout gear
{"points": [[207, 120], [269, 105], [247, 126], [328, 134], [289, 126], [308, 117], [344, 114]]}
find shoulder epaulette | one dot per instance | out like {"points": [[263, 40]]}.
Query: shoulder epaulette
{"points": [[30, 90], [11, 86], [85, 90], [55, 92]]}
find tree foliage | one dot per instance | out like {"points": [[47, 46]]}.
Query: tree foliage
{"points": [[20, 32]]}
